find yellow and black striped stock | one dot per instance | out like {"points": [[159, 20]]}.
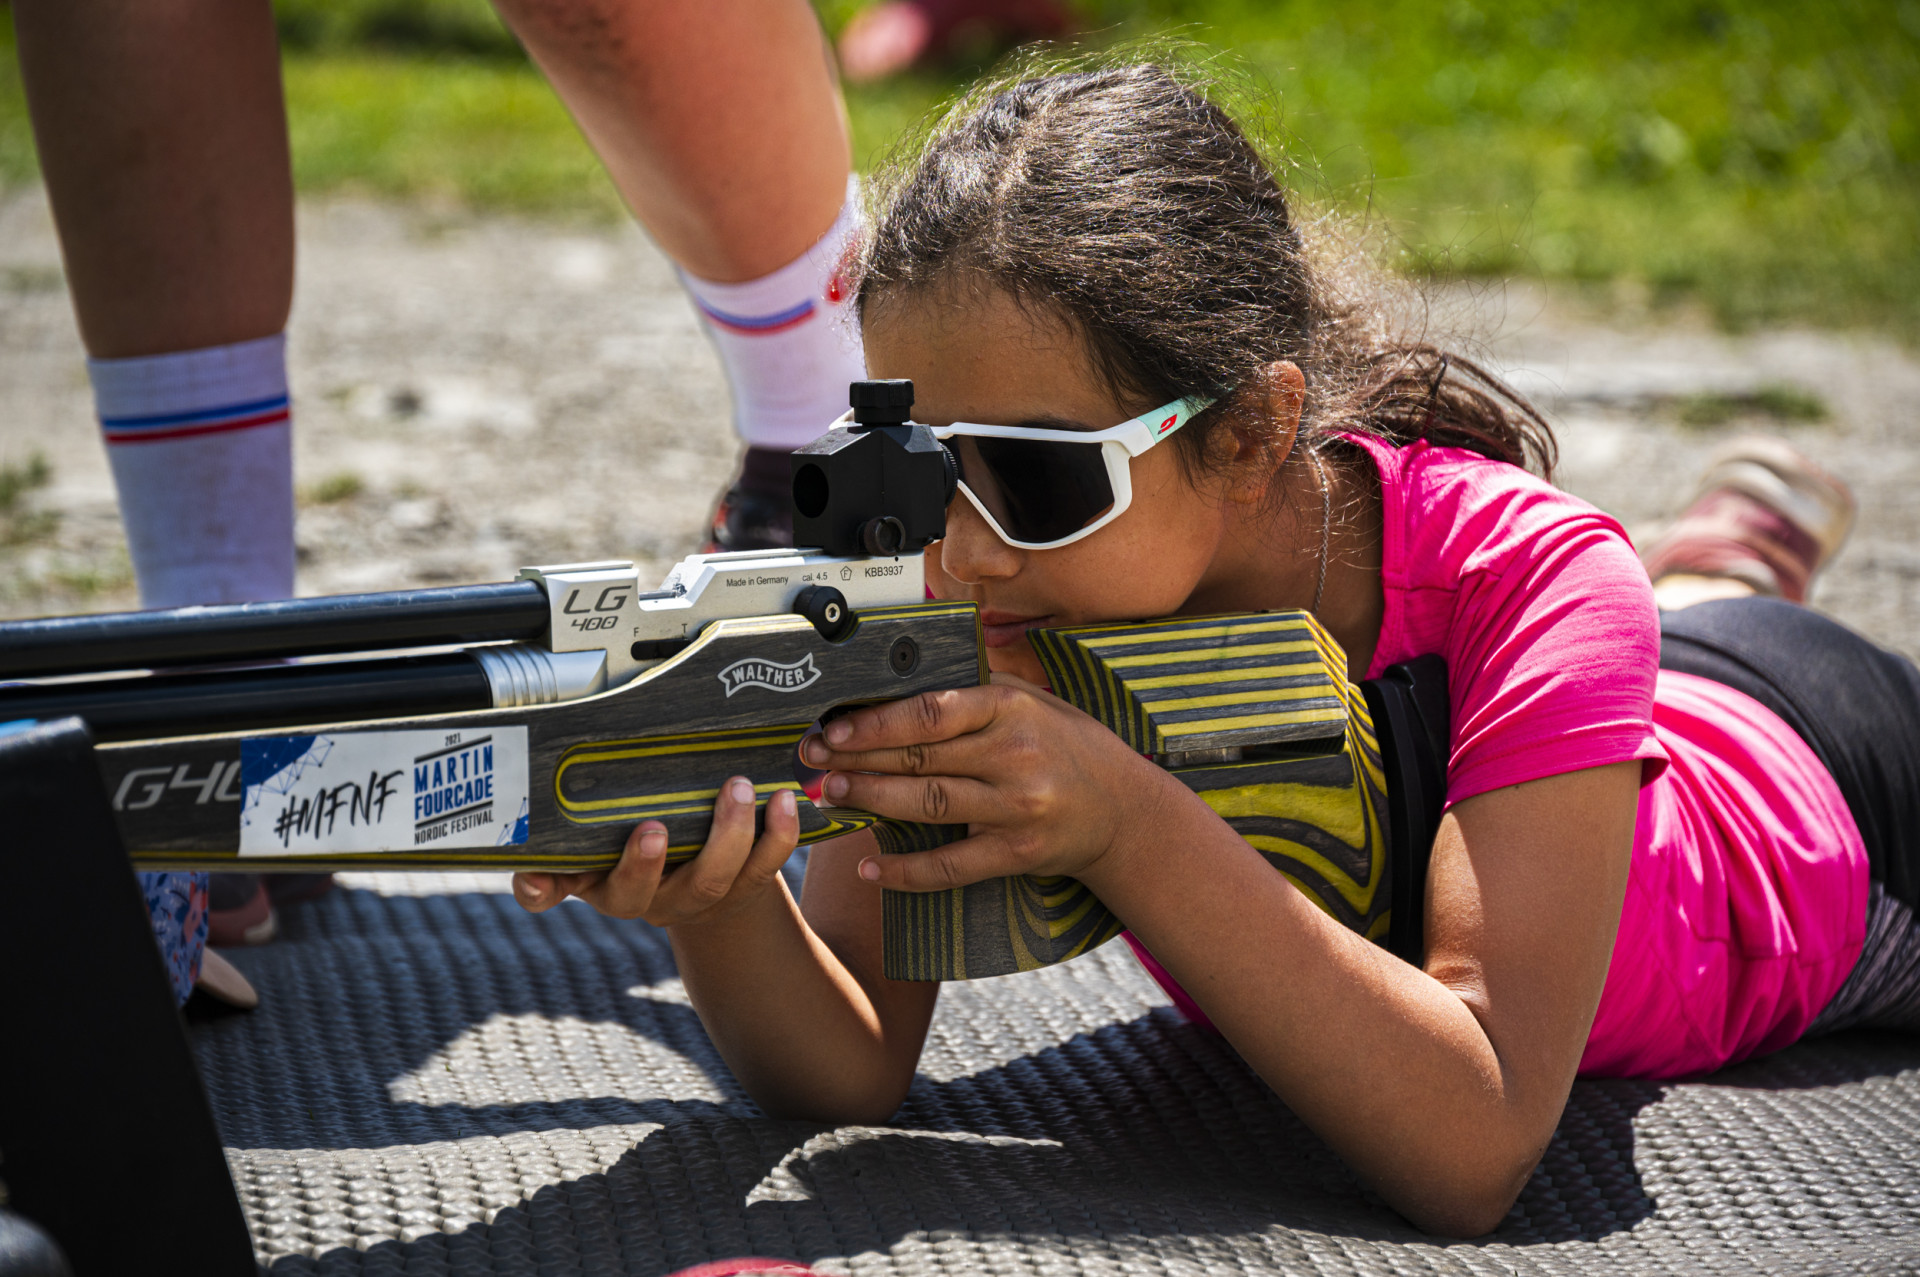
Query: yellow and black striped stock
{"points": [[1308, 793], [1199, 683], [588, 788]]}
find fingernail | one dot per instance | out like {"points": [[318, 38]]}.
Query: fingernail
{"points": [[870, 870], [836, 786], [814, 752], [837, 731], [653, 842], [786, 802], [740, 791]]}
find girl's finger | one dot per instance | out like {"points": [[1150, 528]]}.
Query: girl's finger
{"points": [[553, 888], [574, 884], [705, 880], [777, 842], [629, 889], [536, 893], [957, 864], [934, 800], [916, 720], [962, 757]]}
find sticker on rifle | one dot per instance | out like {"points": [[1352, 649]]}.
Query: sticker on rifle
{"points": [[383, 791]]}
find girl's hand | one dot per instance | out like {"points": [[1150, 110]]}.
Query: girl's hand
{"points": [[1041, 787], [731, 871]]}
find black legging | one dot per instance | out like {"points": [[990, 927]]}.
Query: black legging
{"points": [[1855, 704]]}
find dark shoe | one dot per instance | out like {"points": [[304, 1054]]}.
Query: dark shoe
{"points": [[239, 911], [756, 513], [295, 889]]}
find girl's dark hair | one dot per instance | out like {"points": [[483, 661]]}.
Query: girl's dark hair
{"points": [[1127, 202]]}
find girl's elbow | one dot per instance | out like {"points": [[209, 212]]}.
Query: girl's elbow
{"points": [[1461, 1219], [1462, 1203]]}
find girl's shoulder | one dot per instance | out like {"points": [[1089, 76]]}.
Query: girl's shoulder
{"points": [[1537, 603], [1449, 515]]}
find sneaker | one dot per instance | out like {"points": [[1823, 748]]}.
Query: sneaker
{"points": [[1764, 515], [239, 912], [222, 981], [295, 889], [756, 513], [896, 35]]}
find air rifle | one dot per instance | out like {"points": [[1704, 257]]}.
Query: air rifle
{"points": [[528, 725]]}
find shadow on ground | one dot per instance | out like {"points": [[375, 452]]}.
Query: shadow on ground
{"points": [[444, 1083]]}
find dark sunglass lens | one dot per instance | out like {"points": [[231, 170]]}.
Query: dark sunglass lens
{"points": [[1037, 490]]}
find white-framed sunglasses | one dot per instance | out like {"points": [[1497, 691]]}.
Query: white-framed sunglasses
{"points": [[1040, 489]]}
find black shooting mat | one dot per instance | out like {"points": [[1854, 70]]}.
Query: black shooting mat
{"points": [[437, 1082]]}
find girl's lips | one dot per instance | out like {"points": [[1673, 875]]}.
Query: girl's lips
{"points": [[1004, 629]]}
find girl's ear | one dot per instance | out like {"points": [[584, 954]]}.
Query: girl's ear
{"points": [[1261, 436]]}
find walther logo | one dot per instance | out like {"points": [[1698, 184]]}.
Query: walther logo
{"points": [[775, 677]]}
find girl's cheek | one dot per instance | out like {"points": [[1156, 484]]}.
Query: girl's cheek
{"points": [[939, 584]]}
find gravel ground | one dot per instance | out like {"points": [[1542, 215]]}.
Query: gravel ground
{"points": [[477, 393]]}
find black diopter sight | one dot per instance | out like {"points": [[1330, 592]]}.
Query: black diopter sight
{"points": [[881, 486], [881, 403]]}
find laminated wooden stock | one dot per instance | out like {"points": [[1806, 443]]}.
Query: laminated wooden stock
{"points": [[1254, 714]]}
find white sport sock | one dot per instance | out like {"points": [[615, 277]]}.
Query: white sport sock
{"points": [[789, 340], [201, 446]]}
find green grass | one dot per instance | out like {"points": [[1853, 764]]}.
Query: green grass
{"points": [[1783, 403], [484, 133], [376, 105], [461, 27], [342, 485], [20, 525], [1763, 158], [16, 138]]}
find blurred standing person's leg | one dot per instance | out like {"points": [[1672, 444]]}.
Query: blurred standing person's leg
{"points": [[162, 135], [722, 126]]}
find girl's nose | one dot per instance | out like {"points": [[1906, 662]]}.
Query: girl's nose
{"points": [[973, 552]]}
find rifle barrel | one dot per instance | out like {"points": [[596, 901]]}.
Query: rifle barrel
{"points": [[505, 610], [142, 706]]}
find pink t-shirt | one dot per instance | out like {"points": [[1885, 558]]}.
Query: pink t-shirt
{"points": [[1746, 907]]}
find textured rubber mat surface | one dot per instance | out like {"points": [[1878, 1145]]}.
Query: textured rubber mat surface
{"points": [[440, 1083]]}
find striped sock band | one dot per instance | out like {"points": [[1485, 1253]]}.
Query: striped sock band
{"points": [[788, 340], [757, 325], [201, 446], [187, 425]]}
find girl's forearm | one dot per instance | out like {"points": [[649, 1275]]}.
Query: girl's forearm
{"points": [[1388, 1065], [797, 1029]]}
